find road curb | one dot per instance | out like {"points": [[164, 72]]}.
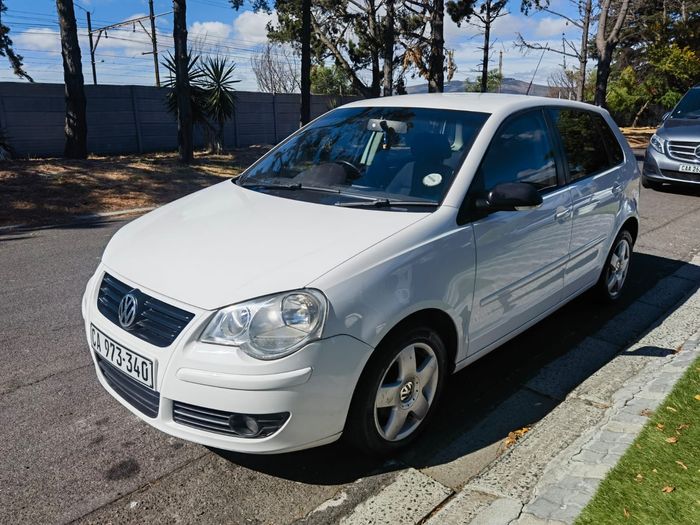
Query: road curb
{"points": [[78, 219], [521, 484]]}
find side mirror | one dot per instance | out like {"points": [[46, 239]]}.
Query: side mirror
{"points": [[510, 196]]}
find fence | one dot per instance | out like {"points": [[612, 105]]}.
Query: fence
{"points": [[133, 119]]}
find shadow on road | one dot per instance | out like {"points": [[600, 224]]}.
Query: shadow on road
{"points": [[484, 402]]}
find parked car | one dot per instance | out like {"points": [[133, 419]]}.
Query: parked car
{"points": [[673, 154], [336, 284]]}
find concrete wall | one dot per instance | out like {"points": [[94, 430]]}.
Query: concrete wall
{"points": [[133, 119]]}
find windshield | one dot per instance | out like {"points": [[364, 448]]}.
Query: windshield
{"points": [[371, 153], [689, 106]]}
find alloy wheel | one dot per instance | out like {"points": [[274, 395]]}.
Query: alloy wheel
{"points": [[618, 265], [406, 392]]}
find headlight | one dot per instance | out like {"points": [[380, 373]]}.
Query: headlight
{"points": [[270, 327], [657, 143]]}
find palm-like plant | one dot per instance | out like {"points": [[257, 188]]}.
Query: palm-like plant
{"points": [[220, 97], [212, 95]]}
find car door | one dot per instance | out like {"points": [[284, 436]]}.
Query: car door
{"points": [[593, 162], [520, 255]]}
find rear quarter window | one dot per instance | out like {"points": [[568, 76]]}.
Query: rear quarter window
{"points": [[590, 146]]}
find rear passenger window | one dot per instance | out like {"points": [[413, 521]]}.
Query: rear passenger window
{"points": [[589, 143], [521, 151]]}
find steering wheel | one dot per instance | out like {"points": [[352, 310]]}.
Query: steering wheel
{"points": [[352, 170]]}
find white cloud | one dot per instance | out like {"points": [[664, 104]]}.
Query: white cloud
{"points": [[40, 39], [251, 28], [211, 30], [551, 26]]}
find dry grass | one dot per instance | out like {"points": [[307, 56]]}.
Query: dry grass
{"points": [[40, 191], [638, 138]]}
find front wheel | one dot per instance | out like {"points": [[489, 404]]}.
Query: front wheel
{"points": [[397, 392], [614, 274]]}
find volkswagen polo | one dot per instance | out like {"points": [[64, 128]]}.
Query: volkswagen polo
{"points": [[334, 286]]}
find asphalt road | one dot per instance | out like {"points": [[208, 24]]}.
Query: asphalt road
{"points": [[68, 451]]}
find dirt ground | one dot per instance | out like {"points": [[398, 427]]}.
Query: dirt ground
{"points": [[638, 137], [42, 191]]}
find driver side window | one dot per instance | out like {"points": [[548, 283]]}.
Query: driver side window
{"points": [[521, 151]]}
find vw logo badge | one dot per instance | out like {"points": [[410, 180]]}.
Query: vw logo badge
{"points": [[128, 307]]}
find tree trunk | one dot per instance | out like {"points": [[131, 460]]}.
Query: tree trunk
{"points": [[635, 123], [182, 83], [389, 48], [436, 63], [583, 52], [305, 113], [375, 51], [76, 121], [603, 73], [487, 41]]}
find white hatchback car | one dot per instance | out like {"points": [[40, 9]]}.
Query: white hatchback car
{"points": [[336, 284]]}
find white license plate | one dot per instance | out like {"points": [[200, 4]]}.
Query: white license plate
{"points": [[128, 361], [690, 168]]}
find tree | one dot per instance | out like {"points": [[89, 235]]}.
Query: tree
{"points": [[185, 143], [275, 70], [6, 48], [580, 52], [668, 74], [220, 98], [298, 19], [330, 80], [610, 23], [389, 42], [76, 121], [482, 16], [493, 84], [212, 97], [422, 28]]}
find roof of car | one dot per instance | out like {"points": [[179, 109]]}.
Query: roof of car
{"points": [[483, 102]]}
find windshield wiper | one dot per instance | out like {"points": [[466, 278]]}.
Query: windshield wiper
{"points": [[290, 187], [387, 203]]}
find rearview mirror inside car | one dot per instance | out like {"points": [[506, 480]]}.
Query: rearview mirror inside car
{"points": [[510, 196]]}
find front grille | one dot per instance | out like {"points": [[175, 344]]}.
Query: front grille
{"points": [[212, 420], [156, 322], [136, 394], [681, 175], [681, 150]]}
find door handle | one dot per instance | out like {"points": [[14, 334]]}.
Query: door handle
{"points": [[617, 187], [561, 213]]}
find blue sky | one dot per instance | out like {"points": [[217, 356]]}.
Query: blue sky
{"points": [[218, 28]]}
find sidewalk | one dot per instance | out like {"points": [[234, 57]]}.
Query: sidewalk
{"points": [[552, 472]]}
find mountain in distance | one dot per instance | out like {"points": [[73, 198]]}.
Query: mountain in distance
{"points": [[509, 85]]}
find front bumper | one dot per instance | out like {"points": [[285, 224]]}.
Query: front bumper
{"points": [[659, 167], [314, 385]]}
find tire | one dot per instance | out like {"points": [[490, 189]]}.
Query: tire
{"points": [[410, 390], [650, 184], [614, 273]]}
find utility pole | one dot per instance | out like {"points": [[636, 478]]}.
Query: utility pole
{"points": [[500, 69], [92, 48], [154, 41]]}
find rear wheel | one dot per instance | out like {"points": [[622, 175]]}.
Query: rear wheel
{"points": [[397, 392], [614, 274]]}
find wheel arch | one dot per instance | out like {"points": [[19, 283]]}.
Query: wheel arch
{"points": [[434, 318], [632, 226]]}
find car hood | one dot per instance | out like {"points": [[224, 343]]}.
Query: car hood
{"points": [[681, 129], [227, 244]]}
